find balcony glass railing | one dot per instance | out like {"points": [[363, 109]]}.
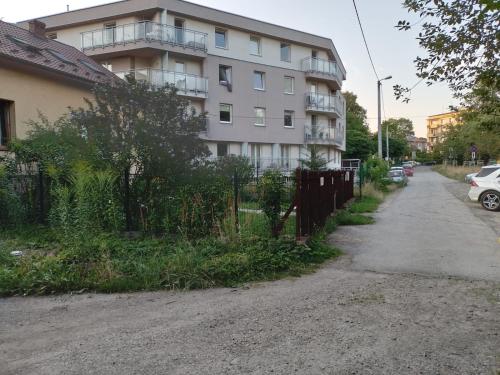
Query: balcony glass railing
{"points": [[325, 103], [186, 84], [316, 65], [146, 30], [324, 134]]}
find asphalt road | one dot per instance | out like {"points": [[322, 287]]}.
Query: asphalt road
{"points": [[342, 319], [429, 227]]}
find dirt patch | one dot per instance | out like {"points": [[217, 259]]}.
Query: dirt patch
{"points": [[333, 322]]}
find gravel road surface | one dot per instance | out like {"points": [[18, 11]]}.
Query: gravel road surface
{"points": [[343, 319], [429, 227]]}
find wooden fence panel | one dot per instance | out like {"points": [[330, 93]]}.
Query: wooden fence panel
{"points": [[319, 194]]}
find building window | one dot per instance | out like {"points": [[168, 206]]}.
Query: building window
{"points": [[289, 85], [255, 46], [286, 50], [5, 122], [289, 119], [259, 80], [221, 38], [260, 116], [226, 113], [285, 156], [222, 149], [180, 67], [225, 73]]}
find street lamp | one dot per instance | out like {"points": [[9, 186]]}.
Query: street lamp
{"points": [[379, 85]]}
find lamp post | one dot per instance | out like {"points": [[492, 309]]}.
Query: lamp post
{"points": [[387, 141], [379, 86]]}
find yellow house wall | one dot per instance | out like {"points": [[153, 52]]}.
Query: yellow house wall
{"points": [[32, 93]]}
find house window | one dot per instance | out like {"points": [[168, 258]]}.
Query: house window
{"points": [[226, 113], [255, 46], [221, 38], [260, 116], [222, 149], [286, 50], [289, 85], [289, 119], [5, 122], [225, 76], [259, 80]]}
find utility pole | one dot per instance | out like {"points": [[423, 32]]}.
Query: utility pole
{"points": [[379, 87], [387, 140]]}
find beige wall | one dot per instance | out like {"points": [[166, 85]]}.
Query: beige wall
{"points": [[32, 93]]}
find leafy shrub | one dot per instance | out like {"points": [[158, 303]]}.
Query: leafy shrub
{"points": [[87, 204], [198, 208], [271, 189], [376, 171]]}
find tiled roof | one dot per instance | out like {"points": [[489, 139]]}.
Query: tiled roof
{"points": [[24, 46]]}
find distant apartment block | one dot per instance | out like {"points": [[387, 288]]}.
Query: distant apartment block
{"points": [[269, 91], [417, 143], [437, 126]]}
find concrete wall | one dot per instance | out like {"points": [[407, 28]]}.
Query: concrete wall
{"points": [[32, 93]]}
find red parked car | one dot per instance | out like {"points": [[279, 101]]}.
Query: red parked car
{"points": [[408, 170]]}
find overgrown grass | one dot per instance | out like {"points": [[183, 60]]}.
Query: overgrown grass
{"points": [[348, 218], [109, 263], [365, 204], [455, 173]]}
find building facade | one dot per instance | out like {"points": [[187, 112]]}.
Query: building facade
{"points": [[40, 76], [268, 91], [417, 143], [437, 126]]}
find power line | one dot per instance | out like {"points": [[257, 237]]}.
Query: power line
{"points": [[364, 39]]}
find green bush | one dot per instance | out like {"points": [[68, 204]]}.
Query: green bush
{"points": [[87, 204], [272, 193], [376, 171]]}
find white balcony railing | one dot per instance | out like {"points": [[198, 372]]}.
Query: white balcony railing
{"points": [[186, 84], [325, 103], [324, 134], [287, 165], [144, 31], [322, 66]]}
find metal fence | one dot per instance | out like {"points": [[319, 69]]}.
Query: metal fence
{"points": [[309, 199]]}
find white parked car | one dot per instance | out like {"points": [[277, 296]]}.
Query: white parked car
{"points": [[485, 187]]}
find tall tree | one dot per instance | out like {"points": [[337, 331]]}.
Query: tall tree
{"points": [[461, 40], [399, 128], [359, 143]]}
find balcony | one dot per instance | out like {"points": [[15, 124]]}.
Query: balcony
{"points": [[322, 70], [189, 85], [323, 135], [331, 105], [144, 35]]}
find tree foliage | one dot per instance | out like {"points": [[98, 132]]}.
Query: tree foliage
{"points": [[359, 143], [135, 124], [461, 39], [399, 128]]}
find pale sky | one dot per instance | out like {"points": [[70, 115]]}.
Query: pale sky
{"points": [[392, 50]]}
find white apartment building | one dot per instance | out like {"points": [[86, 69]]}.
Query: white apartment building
{"points": [[268, 91]]}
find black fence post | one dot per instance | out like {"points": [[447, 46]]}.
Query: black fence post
{"points": [[41, 203], [128, 218], [236, 196]]}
